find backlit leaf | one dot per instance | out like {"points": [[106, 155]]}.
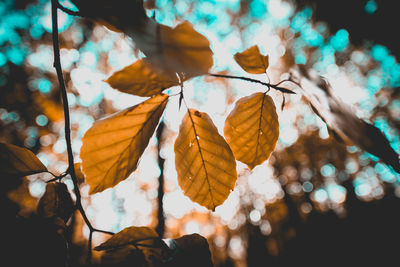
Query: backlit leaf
{"points": [[180, 49], [204, 162], [183, 49], [252, 129], [129, 235], [142, 78], [252, 61], [18, 161], [341, 119], [112, 146]]}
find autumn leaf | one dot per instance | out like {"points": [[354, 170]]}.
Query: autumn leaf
{"points": [[18, 161], [142, 78], [183, 50], [204, 162], [341, 120], [56, 202], [252, 129], [252, 61], [112, 146], [117, 15], [130, 235], [191, 250], [180, 49]]}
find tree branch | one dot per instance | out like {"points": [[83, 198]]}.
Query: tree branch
{"points": [[67, 129]]}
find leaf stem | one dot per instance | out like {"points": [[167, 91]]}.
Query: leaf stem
{"points": [[269, 85]]}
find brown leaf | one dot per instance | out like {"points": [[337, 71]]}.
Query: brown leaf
{"points": [[117, 15], [56, 202], [130, 235], [180, 49], [18, 161], [191, 250], [142, 78], [112, 146], [183, 49], [204, 162], [342, 121], [252, 61], [252, 129]]}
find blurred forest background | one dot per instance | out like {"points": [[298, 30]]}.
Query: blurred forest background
{"points": [[315, 202]]}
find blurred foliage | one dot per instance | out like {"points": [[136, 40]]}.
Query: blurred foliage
{"points": [[309, 174]]}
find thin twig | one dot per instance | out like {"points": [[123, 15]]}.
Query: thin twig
{"points": [[89, 248], [274, 86], [71, 170], [68, 11]]}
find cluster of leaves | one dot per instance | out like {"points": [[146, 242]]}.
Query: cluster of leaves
{"points": [[205, 160]]}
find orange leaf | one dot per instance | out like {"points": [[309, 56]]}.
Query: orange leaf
{"points": [[204, 162], [252, 61], [112, 146], [252, 129], [18, 161], [129, 235], [185, 50], [142, 78]]}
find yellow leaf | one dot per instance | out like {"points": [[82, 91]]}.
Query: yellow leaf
{"points": [[112, 146], [129, 235], [252, 61], [142, 78], [18, 161], [204, 162], [185, 50], [252, 129]]}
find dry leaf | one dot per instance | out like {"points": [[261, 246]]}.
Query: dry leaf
{"points": [[142, 78], [56, 202], [129, 235], [341, 119], [252, 129], [183, 49], [252, 61], [18, 161], [112, 146], [180, 49], [191, 250], [117, 15], [204, 162]]}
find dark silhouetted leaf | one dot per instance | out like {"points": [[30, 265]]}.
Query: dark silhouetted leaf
{"points": [[191, 250], [56, 202], [130, 235], [205, 164], [117, 15], [342, 121], [112, 146], [18, 161], [252, 129]]}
